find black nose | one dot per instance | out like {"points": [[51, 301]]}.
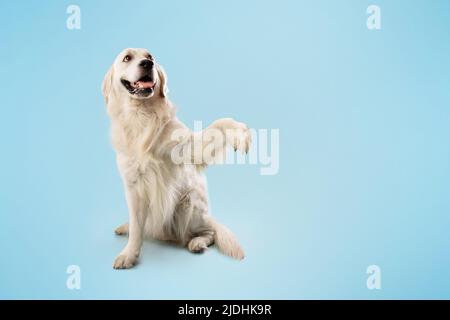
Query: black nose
{"points": [[146, 64]]}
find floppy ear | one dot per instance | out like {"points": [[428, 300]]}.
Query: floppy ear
{"points": [[163, 78], [107, 83]]}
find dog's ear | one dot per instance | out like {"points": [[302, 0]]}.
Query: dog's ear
{"points": [[164, 90], [107, 83]]}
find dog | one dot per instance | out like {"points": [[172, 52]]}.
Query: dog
{"points": [[167, 200]]}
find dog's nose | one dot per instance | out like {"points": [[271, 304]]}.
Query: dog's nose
{"points": [[146, 64]]}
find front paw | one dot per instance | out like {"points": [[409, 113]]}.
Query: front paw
{"points": [[125, 261]]}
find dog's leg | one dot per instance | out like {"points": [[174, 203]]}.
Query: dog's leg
{"points": [[122, 230], [232, 133], [208, 146], [190, 218], [130, 254]]}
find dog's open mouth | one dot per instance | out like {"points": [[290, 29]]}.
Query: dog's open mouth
{"points": [[143, 87]]}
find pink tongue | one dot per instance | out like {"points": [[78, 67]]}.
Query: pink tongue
{"points": [[144, 85]]}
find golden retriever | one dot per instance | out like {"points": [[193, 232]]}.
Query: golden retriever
{"points": [[167, 199]]}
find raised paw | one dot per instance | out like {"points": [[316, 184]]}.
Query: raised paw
{"points": [[239, 136]]}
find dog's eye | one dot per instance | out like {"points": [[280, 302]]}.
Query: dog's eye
{"points": [[126, 58], [149, 57]]}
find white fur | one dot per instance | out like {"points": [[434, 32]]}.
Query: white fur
{"points": [[165, 200]]}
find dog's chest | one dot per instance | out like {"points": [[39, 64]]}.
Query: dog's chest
{"points": [[154, 185], [141, 172], [152, 178]]}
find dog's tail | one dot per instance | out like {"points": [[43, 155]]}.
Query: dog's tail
{"points": [[225, 241]]}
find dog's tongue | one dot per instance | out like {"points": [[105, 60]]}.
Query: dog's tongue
{"points": [[144, 84]]}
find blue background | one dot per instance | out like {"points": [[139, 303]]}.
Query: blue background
{"points": [[364, 147]]}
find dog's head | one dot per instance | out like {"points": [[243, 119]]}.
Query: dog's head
{"points": [[136, 74]]}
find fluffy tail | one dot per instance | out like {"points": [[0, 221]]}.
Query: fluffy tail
{"points": [[226, 242]]}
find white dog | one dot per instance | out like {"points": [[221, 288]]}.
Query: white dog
{"points": [[167, 200]]}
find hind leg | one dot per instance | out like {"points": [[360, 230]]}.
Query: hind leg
{"points": [[190, 224], [200, 243], [122, 230]]}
